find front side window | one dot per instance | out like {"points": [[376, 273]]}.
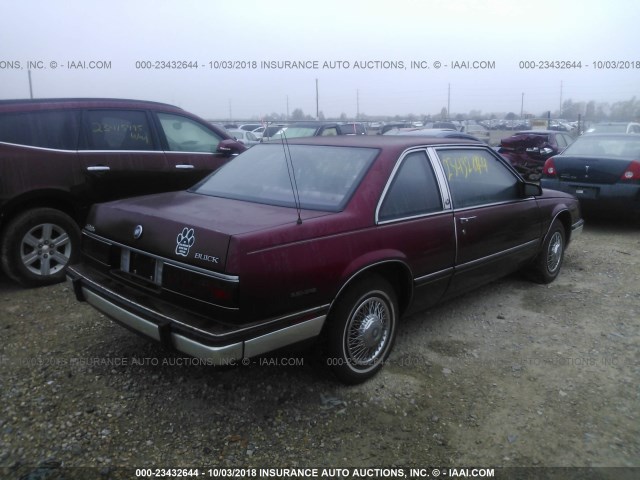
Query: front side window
{"points": [[413, 191], [321, 177], [477, 178], [47, 129], [118, 130], [186, 135]]}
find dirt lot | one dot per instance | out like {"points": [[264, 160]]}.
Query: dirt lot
{"points": [[514, 374]]}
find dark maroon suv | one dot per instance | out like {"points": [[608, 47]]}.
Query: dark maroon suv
{"points": [[59, 156]]}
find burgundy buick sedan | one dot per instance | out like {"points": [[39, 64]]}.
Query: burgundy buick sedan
{"points": [[332, 239]]}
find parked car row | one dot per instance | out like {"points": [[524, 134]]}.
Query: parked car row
{"points": [[288, 130]]}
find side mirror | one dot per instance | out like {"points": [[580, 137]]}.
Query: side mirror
{"points": [[531, 190], [230, 147]]}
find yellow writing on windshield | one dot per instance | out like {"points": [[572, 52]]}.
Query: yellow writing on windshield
{"points": [[465, 166]]}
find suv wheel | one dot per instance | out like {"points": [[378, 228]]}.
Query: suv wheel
{"points": [[38, 245]]}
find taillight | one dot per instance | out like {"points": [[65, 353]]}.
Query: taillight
{"points": [[632, 172], [549, 169]]}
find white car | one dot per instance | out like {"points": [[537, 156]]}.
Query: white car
{"points": [[244, 137]]}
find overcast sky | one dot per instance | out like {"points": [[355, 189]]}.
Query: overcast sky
{"points": [[382, 38]]}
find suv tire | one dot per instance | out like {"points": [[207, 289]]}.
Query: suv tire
{"points": [[38, 244]]}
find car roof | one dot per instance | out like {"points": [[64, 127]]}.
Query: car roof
{"points": [[52, 103], [311, 124], [616, 123], [536, 132], [380, 141], [634, 137]]}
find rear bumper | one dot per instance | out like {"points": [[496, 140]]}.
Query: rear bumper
{"points": [[616, 198], [220, 348]]}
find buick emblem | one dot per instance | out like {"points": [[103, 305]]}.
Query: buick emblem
{"points": [[137, 232]]}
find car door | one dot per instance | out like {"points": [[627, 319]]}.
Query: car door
{"points": [[120, 156], [497, 228], [416, 219], [190, 147]]}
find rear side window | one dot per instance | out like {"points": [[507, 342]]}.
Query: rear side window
{"points": [[413, 191], [477, 178], [47, 129], [186, 135], [118, 130]]}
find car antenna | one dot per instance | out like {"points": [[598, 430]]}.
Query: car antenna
{"points": [[292, 175]]}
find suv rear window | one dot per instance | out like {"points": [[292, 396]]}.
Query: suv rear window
{"points": [[50, 129]]}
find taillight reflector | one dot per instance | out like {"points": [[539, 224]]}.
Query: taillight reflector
{"points": [[549, 168], [632, 172]]}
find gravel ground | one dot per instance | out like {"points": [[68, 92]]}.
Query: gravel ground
{"points": [[513, 374]]}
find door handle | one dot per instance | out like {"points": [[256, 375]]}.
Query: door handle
{"points": [[184, 166], [98, 168], [466, 219]]}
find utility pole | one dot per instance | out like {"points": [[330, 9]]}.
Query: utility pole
{"points": [[317, 102], [560, 115], [30, 86]]}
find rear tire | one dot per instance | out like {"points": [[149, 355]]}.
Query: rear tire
{"points": [[362, 329], [38, 245]]}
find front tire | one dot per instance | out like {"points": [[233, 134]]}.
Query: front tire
{"points": [[362, 329], [38, 245], [548, 263]]}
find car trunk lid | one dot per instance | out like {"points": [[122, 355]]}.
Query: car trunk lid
{"points": [[186, 227], [590, 169]]}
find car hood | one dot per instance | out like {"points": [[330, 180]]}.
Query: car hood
{"points": [[187, 227]]}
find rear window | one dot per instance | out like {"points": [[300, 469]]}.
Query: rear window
{"points": [[48, 129], [322, 177], [611, 147]]}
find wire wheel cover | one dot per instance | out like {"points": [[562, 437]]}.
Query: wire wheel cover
{"points": [[554, 253], [368, 331]]}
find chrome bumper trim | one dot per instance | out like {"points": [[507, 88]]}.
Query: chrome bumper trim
{"points": [[576, 228], [283, 337], [223, 355]]}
